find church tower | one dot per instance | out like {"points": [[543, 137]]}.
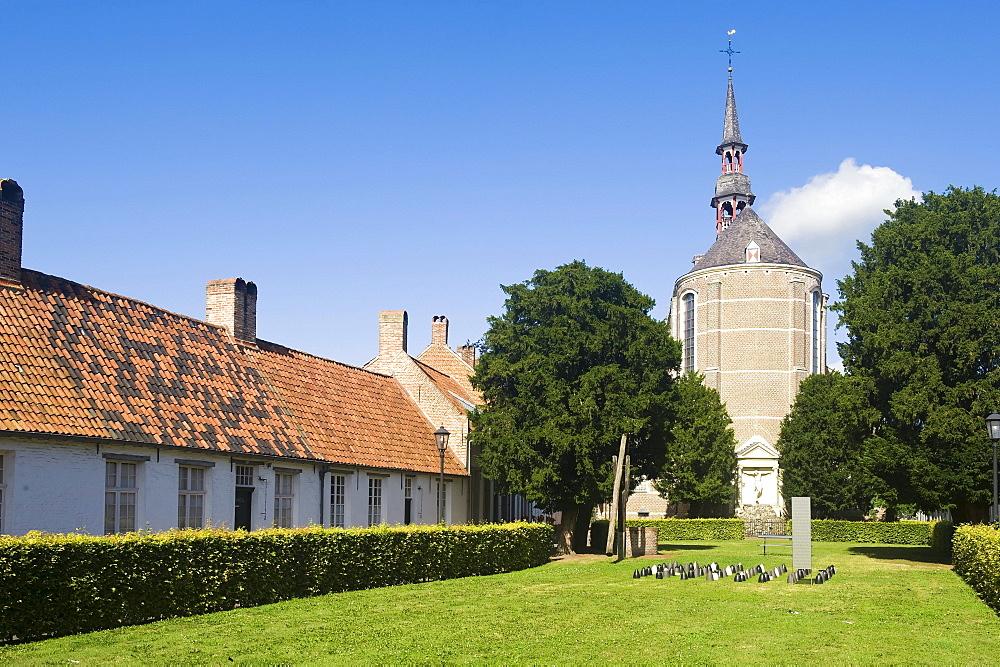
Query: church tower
{"points": [[752, 318]]}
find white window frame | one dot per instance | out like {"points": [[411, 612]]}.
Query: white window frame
{"points": [[191, 496], [689, 330], [121, 498], [817, 318], [284, 499], [374, 501], [244, 478], [338, 500]]}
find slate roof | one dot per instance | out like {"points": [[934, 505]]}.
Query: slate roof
{"points": [[730, 246], [78, 361], [731, 124]]}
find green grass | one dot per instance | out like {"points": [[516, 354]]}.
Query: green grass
{"points": [[886, 604]]}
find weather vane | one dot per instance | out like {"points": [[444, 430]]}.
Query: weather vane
{"points": [[730, 49]]}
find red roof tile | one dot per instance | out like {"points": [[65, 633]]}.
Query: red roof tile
{"points": [[77, 361]]}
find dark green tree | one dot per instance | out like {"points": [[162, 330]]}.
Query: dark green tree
{"points": [[822, 446], [922, 311], [574, 361], [700, 467]]}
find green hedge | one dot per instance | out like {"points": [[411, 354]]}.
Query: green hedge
{"points": [[933, 533], [976, 555], [693, 529], [54, 585]]}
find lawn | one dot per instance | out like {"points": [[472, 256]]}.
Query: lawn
{"points": [[886, 604]]}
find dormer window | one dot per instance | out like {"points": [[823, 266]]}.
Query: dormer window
{"points": [[752, 253]]}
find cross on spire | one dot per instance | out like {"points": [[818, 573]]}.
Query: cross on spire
{"points": [[729, 50]]}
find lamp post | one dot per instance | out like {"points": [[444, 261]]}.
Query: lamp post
{"points": [[993, 426], [441, 437]]}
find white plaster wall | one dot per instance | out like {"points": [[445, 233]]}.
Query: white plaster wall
{"points": [[58, 487]]}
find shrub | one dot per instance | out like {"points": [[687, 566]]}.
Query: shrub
{"points": [[54, 585], [893, 532], [976, 555], [693, 529]]}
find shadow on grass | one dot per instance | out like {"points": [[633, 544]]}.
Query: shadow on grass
{"points": [[914, 553], [685, 547]]}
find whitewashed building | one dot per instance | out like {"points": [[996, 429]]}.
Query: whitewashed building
{"points": [[116, 415]]}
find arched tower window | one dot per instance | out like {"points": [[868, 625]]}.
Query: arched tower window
{"points": [[688, 314], [727, 165], [739, 161], [817, 338]]}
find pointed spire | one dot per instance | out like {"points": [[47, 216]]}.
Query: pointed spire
{"points": [[731, 126]]}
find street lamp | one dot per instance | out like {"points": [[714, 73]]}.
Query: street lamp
{"points": [[441, 437], [993, 427]]}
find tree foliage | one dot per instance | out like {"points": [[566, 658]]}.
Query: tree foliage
{"points": [[922, 311], [701, 456], [822, 447], [574, 361]]}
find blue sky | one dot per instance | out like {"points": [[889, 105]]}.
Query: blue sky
{"points": [[352, 157]]}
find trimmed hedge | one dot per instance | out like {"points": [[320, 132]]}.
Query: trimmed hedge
{"points": [[976, 555], [54, 585], [932, 533], [936, 534], [693, 529]]}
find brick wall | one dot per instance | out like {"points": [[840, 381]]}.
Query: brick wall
{"points": [[232, 303]]}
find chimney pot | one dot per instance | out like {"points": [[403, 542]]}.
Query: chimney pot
{"points": [[439, 330]]}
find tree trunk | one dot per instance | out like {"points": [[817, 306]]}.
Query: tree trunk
{"points": [[566, 530], [571, 534], [582, 529], [969, 513]]}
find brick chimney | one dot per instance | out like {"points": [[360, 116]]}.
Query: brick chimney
{"points": [[468, 354], [11, 223], [439, 330], [391, 332], [232, 303]]}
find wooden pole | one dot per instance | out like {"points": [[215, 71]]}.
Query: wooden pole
{"points": [[613, 517], [623, 509]]}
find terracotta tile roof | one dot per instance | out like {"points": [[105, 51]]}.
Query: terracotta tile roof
{"points": [[449, 386], [442, 359], [77, 361], [350, 415]]}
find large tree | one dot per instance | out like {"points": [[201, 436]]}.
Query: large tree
{"points": [[574, 362], [822, 445], [700, 467], [922, 311]]}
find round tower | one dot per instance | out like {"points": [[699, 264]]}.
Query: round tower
{"points": [[752, 318]]}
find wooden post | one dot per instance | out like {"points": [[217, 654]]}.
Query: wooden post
{"points": [[623, 509], [616, 461]]}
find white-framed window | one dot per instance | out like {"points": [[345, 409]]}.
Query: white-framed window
{"points": [[190, 497], [3, 488], [817, 338], [283, 499], [688, 313], [374, 501], [121, 489], [338, 501], [244, 475]]}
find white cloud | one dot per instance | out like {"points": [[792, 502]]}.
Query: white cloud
{"points": [[822, 220]]}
